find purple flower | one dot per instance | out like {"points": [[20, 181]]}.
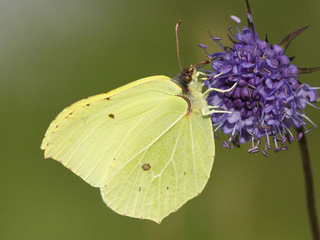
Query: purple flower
{"points": [[268, 98]]}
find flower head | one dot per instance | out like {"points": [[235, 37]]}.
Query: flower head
{"points": [[268, 98]]}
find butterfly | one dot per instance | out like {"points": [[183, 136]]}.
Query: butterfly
{"points": [[148, 145]]}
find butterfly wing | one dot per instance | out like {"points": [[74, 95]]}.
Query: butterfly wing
{"points": [[86, 136], [164, 162], [140, 144]]}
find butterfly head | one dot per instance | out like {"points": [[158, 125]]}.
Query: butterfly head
{"points": [[185, 77], [190, 76]]}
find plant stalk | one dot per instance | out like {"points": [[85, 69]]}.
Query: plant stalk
{"points": [[309, 187]]}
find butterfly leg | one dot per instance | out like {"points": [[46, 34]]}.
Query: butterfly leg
{"points": [[206, 111], [206, 93]]}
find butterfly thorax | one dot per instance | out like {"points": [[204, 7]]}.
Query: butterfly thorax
{"points": [[191, 89], [195, 95]]}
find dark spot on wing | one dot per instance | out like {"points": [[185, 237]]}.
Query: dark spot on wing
{"points": [[111, 116], [108, 98], [146, 166], [167, 187], [139, 188], [88, 104], [184, 173]]}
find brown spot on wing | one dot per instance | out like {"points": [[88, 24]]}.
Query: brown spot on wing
{"points": [[111, 116], [146, 166]]}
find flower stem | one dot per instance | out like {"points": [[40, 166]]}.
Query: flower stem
{"points": [[309, 187]]}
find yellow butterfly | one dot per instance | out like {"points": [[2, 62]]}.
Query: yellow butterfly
{"points": [[147, 145]]}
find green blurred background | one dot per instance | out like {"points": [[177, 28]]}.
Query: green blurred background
{"points": [[54, 53]]}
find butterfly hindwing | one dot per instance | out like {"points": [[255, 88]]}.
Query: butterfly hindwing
{"points": [[156, 177]]}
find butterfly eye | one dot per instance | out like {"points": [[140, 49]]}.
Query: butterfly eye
{"points": [[188, 79], [188, 74]]}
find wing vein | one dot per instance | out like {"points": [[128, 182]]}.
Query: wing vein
{"points": [[175, 169], [148, 146], [123, 183], [138, 172], [208, 145], [193, 155]]}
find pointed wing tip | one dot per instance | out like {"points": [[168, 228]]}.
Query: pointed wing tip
{"points": [[44, 145], [156, 220]]}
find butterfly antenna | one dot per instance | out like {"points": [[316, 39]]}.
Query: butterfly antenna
{"points": [[202, 63], [177, 40]]}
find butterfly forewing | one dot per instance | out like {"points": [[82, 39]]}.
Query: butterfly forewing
{"points": [[86, 136]]}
